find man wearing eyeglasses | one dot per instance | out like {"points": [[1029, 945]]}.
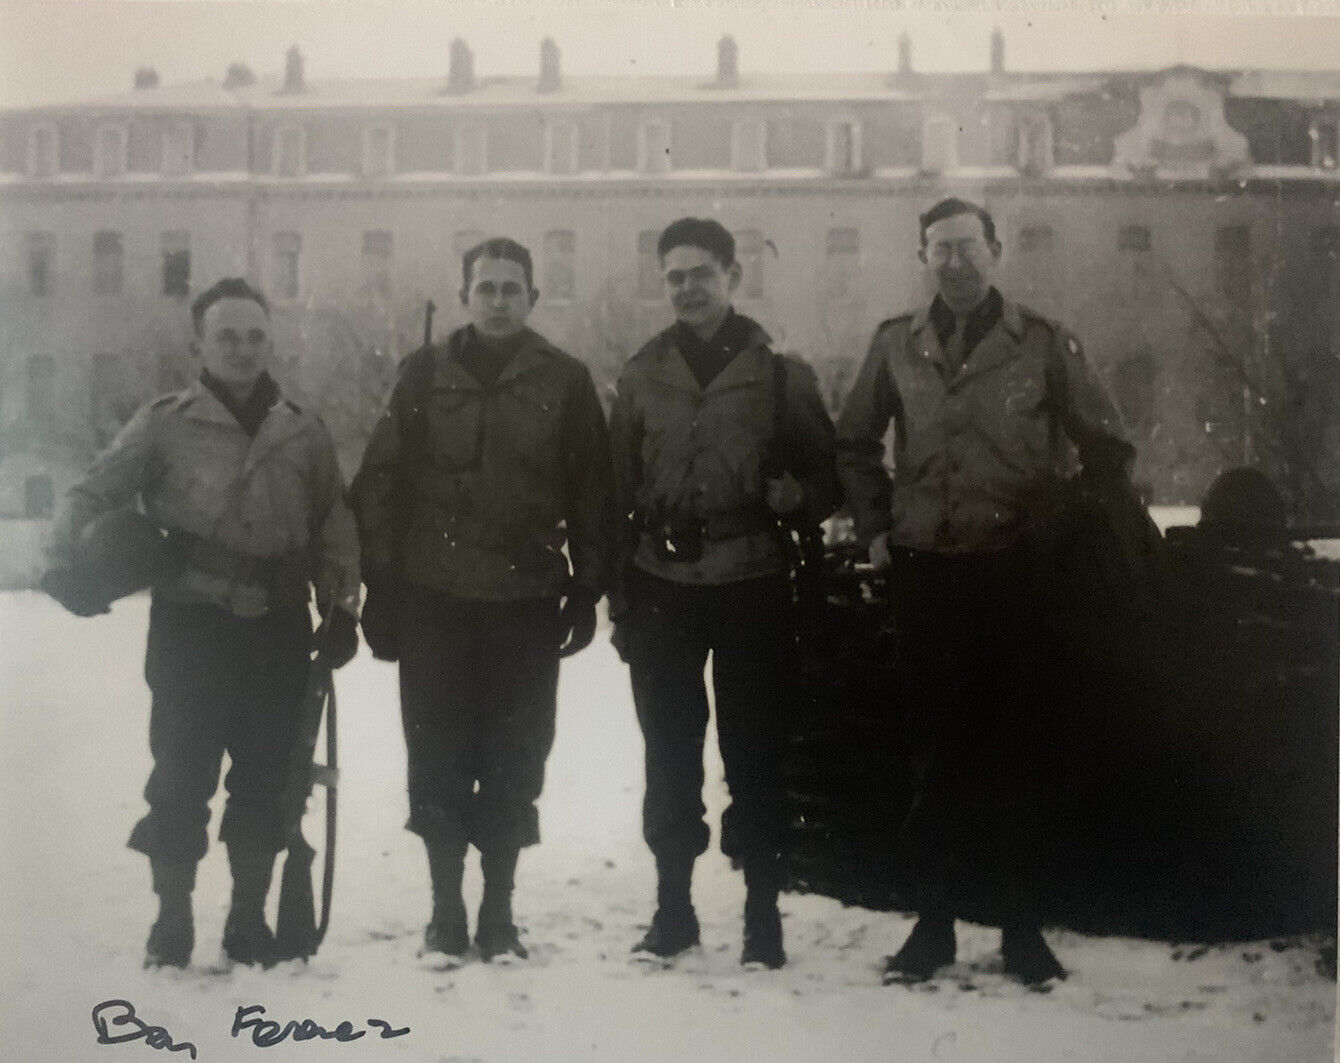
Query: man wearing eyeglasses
{"points": [[990, 401]]}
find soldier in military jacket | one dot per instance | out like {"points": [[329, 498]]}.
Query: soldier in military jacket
{"points": [[991, 402], [247, 486], [492, 456], [704, 477]]}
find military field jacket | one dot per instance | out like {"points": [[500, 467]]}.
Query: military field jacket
{"points": [[475, 490], [969, 445], [701, 451], [277, 496]]}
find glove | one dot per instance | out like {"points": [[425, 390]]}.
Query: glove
{"points": [[379, 616], [75, 591], [784, 494], [336, 640], [577, 619]]}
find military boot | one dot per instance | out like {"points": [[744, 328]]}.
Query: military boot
{"points": [[674, 927], [762, 920], [446, 938], [246, 938], [172, 937], [929, 947], [1027, 956], [495, 933]]}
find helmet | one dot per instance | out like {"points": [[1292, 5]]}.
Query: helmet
{"points": [[124, 552], [1244, 506]]}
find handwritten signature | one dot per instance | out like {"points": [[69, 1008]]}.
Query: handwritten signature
{"points": [[123, 1014], [264, 1033]]}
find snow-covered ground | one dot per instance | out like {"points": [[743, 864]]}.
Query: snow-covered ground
{"points": [[75, 905]]}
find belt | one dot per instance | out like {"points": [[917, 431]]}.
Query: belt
{"points": [[715, 527], [274, 572]]}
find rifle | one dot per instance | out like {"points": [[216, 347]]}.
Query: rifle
{"points": [[428, 323], [297, 932]]}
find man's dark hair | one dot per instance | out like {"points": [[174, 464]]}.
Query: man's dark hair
{"points": [[228, 288], [947, 208], [706, 233], [497, 247]]}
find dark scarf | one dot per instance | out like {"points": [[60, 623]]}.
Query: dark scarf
{"points": [[483, 360], [249, 414], [707, 358], [981, 319]]}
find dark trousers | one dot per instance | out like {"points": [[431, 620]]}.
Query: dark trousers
{"points": [[478, 699], [977, 654], [220, 683], [747, 627]]}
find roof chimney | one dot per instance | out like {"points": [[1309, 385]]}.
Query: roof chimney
{"points": [[728, 63], [238, 75], [550, 77], [461, 74], [997, 51], [293, 73], [904, 54], [146, 77]]}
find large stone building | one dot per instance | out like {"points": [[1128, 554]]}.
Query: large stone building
{"points": [[1183, 221]]}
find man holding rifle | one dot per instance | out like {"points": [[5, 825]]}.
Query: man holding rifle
{"points": [[491, 458], [246, 485]]}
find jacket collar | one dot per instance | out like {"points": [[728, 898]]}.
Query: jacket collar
{"points": [[987, 355], [281, 423], [532, 350], [753, 363]]}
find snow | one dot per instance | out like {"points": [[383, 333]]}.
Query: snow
{"points": [[77, 904]]}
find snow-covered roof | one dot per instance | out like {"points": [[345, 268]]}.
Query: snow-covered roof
{"points": [[365, 93]]}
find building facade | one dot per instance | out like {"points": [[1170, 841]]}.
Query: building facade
{"points": [[1184, 222]]}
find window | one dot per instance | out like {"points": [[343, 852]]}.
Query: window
{"points": [[1232, 264], [1133, 383], [748, 150], [650, 284], [939, 145], [41, 390], [284, 279], [749, 244], [843, 262], [462, 241], [1034, 154], [39, 497], [1036, 239], [378, 148], [653, 147], [471, 149], [290, 151], [178, 149], [560, 274], [107, 405], [176, 254], [43, 151], [41, 263], [108, 263], [378, 246], [109, 151], [560, 148], [844, 147], [1325, 134], [1134, 239]]}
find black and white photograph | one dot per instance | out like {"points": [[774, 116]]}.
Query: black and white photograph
{"points": [[634, 532]]}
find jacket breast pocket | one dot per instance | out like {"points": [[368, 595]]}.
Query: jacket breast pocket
{"points": [[529, 419], [454, 428]]}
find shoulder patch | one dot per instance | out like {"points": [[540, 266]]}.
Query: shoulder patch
{"points": [[891, 321]]}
